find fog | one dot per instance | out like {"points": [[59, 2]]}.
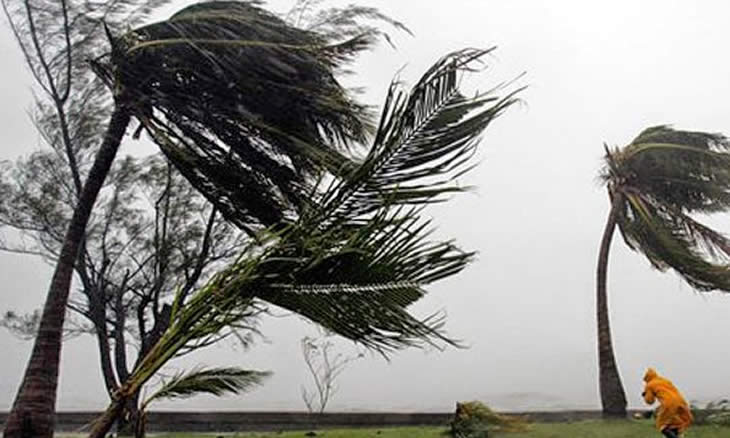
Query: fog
{"points": [[597, 72]]}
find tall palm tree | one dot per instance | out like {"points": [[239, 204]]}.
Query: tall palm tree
{"points": [[253, 108], [655, 183], [359, 255]]}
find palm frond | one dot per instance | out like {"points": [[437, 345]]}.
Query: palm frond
{"points": [[355, 281], [228, 41], [214, 381], [672, 239], [683, 169], [358, 282], [424, 140], [244, 104], [362, 255]]}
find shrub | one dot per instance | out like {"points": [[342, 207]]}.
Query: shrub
{"points": [[716, 413], [474, 419]]}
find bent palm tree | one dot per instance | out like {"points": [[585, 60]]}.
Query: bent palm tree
{"points": [[654, 184], [255, 109], [359, 254]]}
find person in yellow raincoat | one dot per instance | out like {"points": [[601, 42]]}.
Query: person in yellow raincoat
{"points": [[673, 415]]}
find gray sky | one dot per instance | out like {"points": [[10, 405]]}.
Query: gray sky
{"points": [[597, 71]]}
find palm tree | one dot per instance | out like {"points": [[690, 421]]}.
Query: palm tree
{"points": [[654, 184], [244, 105], [359, 254]]}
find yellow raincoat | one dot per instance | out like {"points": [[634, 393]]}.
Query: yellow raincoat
{"points": [[674, 412]]}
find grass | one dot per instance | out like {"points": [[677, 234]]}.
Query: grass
{"points": [[583, 429], [395, 432], [612, 429]]}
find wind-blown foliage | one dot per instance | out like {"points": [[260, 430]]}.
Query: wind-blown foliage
{"points": [[665, 175], [335, 24], [259, 109], [213, 381], [365, 219], [355, 270], [426, 134]]}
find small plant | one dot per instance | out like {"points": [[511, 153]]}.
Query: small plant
{"points": [[474, 419], [325, 365]]}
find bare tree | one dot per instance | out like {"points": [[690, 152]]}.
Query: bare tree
{"points": [[325, 365]]}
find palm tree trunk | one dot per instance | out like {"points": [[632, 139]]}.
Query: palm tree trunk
{"points": [[103, 424], [33, 411], [613, 397]]}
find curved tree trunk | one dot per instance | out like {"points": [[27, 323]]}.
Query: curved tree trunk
{"points": [[129, 418], [613, 397], [104, 423], [33, 411]]}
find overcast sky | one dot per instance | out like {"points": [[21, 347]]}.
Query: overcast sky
{"points": [[597, 72]]}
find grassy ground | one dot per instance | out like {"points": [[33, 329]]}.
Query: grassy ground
{"points": [[612, 429], [586, 429]]}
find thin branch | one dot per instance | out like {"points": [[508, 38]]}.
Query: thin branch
{"points": [[202, 258], [26, 53], [39, 53], [120, 344], [67, 35]]}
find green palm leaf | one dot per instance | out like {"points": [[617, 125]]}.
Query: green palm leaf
{"points": [[683, 169], [663, 176], [362, 256], [671, 239], [424, 139], [214, 381], [359, 282]]}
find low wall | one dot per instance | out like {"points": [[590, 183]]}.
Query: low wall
{"points": [[273, 421]]}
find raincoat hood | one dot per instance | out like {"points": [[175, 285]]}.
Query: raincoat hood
{"points": [[650, 374]]}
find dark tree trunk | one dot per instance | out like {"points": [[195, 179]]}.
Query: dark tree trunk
{"points": [[96, 308], [129, 418], [613, 397], [34, 407], [140, 430]]}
